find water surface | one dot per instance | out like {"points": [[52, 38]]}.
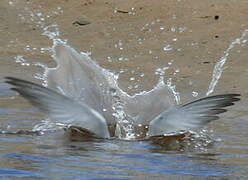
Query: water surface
{"points": [[181, 47]]}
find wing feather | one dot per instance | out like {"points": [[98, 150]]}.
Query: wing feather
{"points": [[192, 115], [59, 107]]}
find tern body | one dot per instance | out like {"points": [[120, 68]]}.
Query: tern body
{"points": [[82, 94]]}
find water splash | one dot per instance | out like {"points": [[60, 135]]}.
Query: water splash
{"points": [[20, 59], [219, 66], [198, 140], [125, 126], [173, 90], [168, 48], [169, 84], [195, 94], [46, 125], [52, 32]]}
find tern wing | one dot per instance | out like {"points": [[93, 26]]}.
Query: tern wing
{"points": [[60, 108], [192, 115], [77, 76]]}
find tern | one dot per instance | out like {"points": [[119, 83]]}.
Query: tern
{"points": [[82, 94]]}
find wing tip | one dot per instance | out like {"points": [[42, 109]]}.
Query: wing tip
{"points": [[11, 79], [15, 81]]}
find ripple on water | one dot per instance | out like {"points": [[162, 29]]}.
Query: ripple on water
{"points": [[52, 156]]}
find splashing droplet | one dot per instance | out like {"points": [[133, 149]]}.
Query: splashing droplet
{"points": [[167, 48], [194, 93]]}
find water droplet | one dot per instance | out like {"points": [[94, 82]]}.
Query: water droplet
{"points": [[132, 79], [162, 28], [39, 14], [177, 70], [182, 29], [130, 87], [109, 59], [194, 93], [173, 29], [167, 48]]}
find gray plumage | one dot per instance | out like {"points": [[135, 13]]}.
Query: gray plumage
{"points": [[61, 108], [82, 94], [191, 116]]}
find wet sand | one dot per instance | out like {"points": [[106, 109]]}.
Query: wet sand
{"points": [[135, 38], [131, 36]]}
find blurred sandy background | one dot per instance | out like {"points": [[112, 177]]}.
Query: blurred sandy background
{"points": [[136, 38]]}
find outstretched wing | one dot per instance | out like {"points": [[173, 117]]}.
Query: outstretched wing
{"points": [[192, 115], [77, 76], [59, 107]]}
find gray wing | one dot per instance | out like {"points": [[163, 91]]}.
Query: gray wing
{"points": [[77, 76], [60, 108], [192, 115]]}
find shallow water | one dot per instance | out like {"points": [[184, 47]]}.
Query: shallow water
{"points": [[180, 50]]}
